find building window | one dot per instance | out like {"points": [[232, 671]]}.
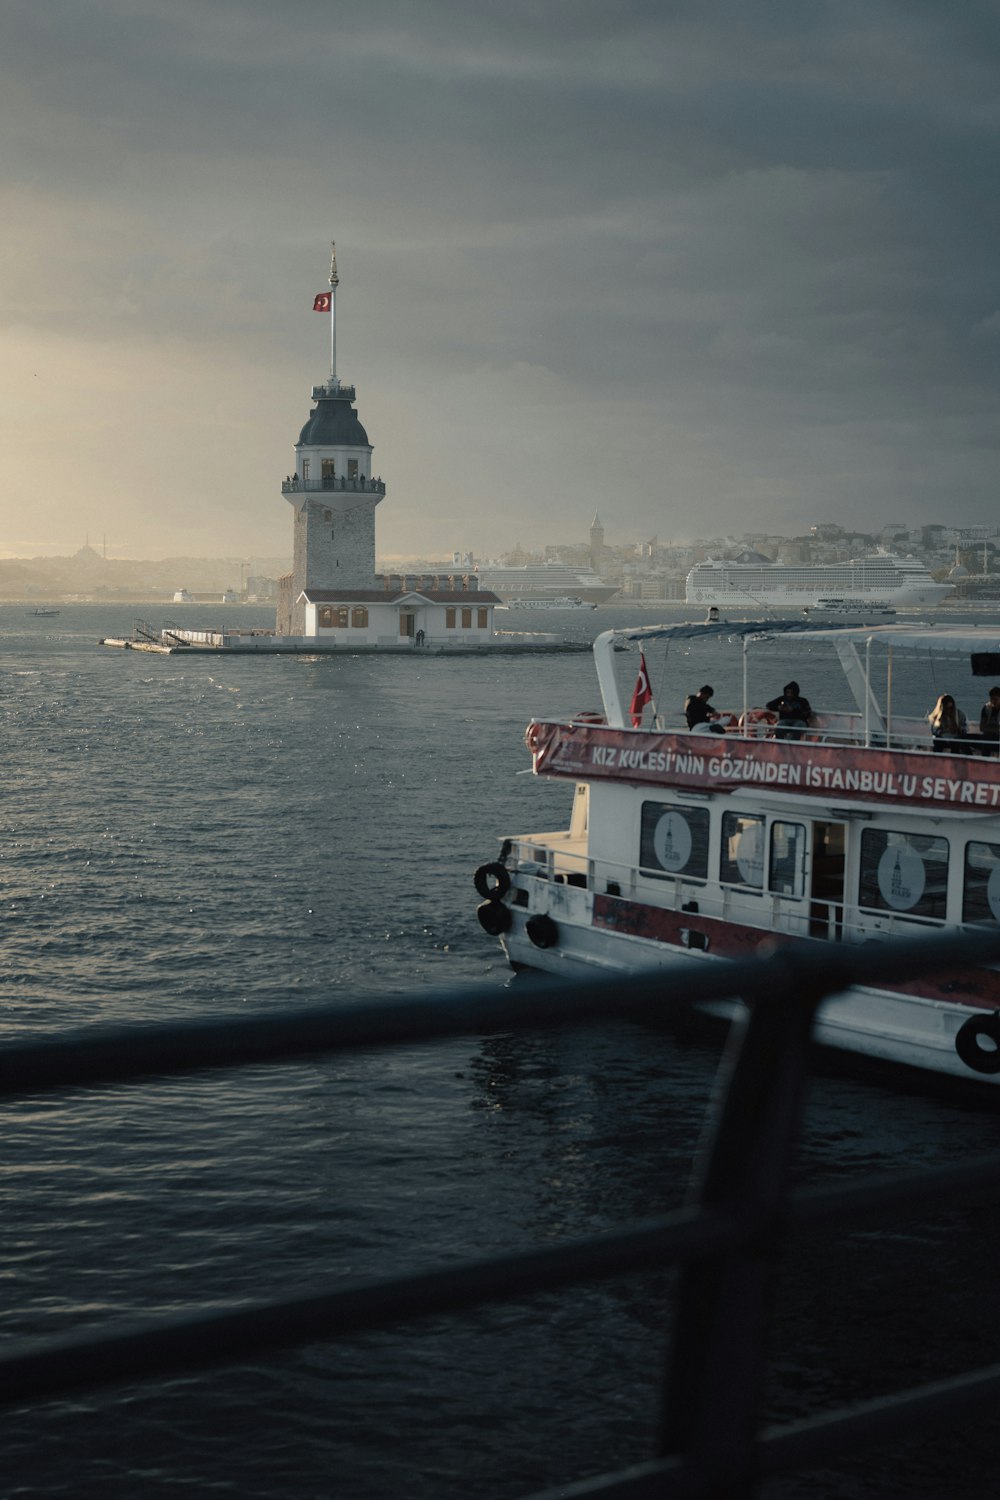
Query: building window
{"points": [[673, 841], [327, 472], [305, 468], [483, 618], [742, 861], [466, 619], [903, 872], [325, 617], [449, 619], [328, 515], [359, 619], [352, 468]]}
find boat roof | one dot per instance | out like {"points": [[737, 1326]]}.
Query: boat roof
{"points": [[935, 640]]}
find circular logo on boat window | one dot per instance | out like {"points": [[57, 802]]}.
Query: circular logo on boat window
{"points": [[993, 891], [750, 854], [672, 841], [901, 877]]}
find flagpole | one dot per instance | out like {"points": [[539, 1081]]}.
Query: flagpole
{"points": [[334, 283]]}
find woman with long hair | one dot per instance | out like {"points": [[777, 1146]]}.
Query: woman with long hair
{"points": [[948, 727]]}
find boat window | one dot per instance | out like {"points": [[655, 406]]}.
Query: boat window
{"points": [[786, 868], [742, 861], [673, 841], [981, 892], [903, 872]]}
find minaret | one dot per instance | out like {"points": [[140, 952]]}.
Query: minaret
{"points": [[332, 492]]}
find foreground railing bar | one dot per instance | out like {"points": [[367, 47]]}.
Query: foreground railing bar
{"points": [[107, 1054], [817, 1440], [42, 1368]]}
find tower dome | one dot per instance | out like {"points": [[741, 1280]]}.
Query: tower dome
{"points": [[334, 424]]}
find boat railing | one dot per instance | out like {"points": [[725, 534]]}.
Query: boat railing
{"points": [[729, 1240]]}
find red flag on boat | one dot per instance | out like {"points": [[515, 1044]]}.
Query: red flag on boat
{"points": [[643, 693], [322, 302]]}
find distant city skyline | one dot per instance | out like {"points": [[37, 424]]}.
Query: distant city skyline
{"points": [[702, 269]]}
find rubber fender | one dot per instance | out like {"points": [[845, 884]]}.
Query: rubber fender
{"points": [[494, 917], [492, 881], [969, 1043], [542, 931]]}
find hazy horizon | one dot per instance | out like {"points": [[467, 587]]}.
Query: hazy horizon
{"points": [[702, 268]]}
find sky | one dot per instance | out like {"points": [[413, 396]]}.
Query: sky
{"points": [[699, 267]]}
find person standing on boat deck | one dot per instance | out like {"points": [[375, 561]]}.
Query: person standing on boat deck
{"points": [[794, 712], [948, 726], [989, 724], [697, 711]]}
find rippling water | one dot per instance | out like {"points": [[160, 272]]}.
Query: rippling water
{"points": [[187, 835]]}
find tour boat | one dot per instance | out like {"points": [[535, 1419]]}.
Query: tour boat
{"points": [[701, 846]]}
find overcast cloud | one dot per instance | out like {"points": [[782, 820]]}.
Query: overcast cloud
{"points": [[699, 267]]}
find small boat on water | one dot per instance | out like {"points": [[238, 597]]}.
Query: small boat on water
{"points": [[42, 613], [556, 602], [701, 845]]}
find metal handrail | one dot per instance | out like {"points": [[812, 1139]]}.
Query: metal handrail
{"points": [[726, 1239]]}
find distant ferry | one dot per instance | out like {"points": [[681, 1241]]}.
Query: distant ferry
{"points": [[545, 581], [862, 586], [557, 601]]}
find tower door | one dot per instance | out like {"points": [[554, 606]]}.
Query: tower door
{"points": [[407, 623], [826, 886]]}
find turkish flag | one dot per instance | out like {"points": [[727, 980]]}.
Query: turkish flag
{"points": [[642, 694], [323, 302]]}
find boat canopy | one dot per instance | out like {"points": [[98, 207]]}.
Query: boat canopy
{"points": [[980, 645]]}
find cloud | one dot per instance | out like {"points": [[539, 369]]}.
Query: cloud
{"points": [[692, 264]]}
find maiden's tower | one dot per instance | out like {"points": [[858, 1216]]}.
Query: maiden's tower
{"points": [[333, 595]]}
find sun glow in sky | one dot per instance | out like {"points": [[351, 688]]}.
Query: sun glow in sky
{"points": [[699, 267]]}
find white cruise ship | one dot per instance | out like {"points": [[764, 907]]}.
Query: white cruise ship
{"points": [[867, 583], [544, 581]]}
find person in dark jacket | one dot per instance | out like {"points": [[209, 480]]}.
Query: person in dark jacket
{"points": [[697, 711], [989, 723], [794, 712]]}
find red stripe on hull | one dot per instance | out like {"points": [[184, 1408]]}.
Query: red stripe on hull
{"points": [[970, 987]]}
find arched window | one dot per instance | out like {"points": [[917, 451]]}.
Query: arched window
{"points": [[325, 617], [359, 618], [343, 617]]}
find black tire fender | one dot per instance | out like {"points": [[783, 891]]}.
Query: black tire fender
{"points": [[494, 917], [542, 931], [492, 881], [969, 1043]]}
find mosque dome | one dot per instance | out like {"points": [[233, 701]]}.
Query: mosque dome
{"points": [[334, 424], [958, 571]]}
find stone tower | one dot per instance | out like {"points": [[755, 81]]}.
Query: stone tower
{"points": [[596, 544], [332, 492]]}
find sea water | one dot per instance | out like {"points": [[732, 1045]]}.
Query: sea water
{"points": [[185, 836]]}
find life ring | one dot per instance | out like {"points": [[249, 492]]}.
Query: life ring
{"points": [[971, 1034], [757, 721], [542, 931], [492, 881], [494, 917]]}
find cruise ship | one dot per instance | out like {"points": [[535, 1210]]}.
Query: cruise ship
{"points": [[865, 584], [552, 580]]}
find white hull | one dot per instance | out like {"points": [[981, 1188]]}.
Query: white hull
{"points": [[890, 1027], [861, 587]]}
